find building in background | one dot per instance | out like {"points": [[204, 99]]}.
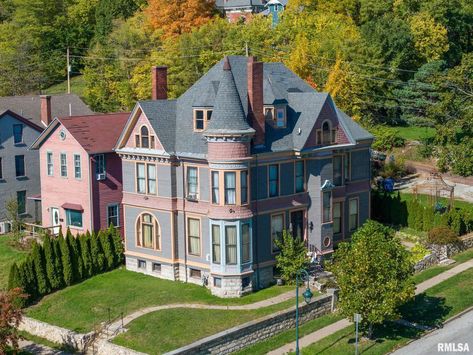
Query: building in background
{"points": [[22, 119], [238, 10], [211, 180], [81, 176]]}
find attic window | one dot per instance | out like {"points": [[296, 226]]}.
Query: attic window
{"points": [[201, 117], [326, 135], [143, 139], [280, 118], [277, 115]]}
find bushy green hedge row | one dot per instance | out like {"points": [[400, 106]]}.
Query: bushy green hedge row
{"points": [[390, 209], [63, 261]]}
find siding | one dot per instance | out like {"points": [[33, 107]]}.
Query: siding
{"points": [[360, 164], [10, 184], [287, 178], [128, 171]]}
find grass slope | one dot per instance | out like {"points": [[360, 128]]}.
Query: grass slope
{"points": [[85, 305], [78, 87], [8, 255]]}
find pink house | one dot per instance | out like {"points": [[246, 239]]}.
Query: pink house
{"points": [[81, 176]]}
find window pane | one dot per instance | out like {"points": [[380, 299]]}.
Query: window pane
{"points": [[194, 236], [63, 165], [347, 166], [74, 218], [140, 178], [337, 170], [273, 180], [230, 188], [77, 167], [192, 181], [144, 137], [148, 235], [20, 165], [100, 164], [244, 187], [49, 162], [337, 217], [152, 179], [231, 244], [353, 214], [327, 196], [215, 187], [281, 118], [299, 176], [209, 115], [245, 243], [199, 119], [113, 215], [216, 244], [277, 226], [1, 168], [21, 201], [18, 133]]}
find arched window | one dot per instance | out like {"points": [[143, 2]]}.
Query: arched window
{"points": [[144, 137], [326, 138], [147, 232]]}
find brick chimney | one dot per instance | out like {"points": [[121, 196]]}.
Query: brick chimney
{"points": [[46, 116], [159, 82], [255, 99]]}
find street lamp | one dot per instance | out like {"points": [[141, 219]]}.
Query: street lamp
{"points": [[307, 297]]}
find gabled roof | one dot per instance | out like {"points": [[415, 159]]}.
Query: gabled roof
{"points": [[228, 4], [95, 133], [22, 119], [29, 107]]}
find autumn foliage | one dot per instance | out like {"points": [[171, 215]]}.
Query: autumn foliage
{"points": [[175, 17], [10, 318]]}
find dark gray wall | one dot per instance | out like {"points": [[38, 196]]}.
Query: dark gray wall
{"points": [[10, 184], [360, 164]]}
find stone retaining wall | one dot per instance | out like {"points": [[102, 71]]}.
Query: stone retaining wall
{"points": [[249, 333], [56, 334], [104, 347], [426, 262]]}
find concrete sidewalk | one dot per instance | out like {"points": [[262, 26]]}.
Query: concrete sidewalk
{"points": [[334, 327]]}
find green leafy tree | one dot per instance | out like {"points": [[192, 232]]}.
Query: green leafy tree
{"points": [[50, 258], [293, 256], [16, 281], [67, 268], [374, 273], [56, 244], [40, 269], [106, 242], [27, 270], [77, 265], [86, 255], [97, 254]]}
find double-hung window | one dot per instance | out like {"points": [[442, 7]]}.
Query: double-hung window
{"points": [[347, 166], [151, 179], [273, 180], [231, 245], [216, 257], [299, 166], [112, 215], [141, 178], [19, 165], [77, 167], [244, 186], [277, 226], [245, 243], [337, 217], [21, 201], [215, 187], [353, 214], [146, 178], [201, 117], [337, 170], [327, 208], [100, 164], [63, 158], [230, 188], [193, 232], [17, 133], [50, 163], [192, 182]]}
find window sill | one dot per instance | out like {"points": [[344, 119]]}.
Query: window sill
{"points": [[192, 199]]}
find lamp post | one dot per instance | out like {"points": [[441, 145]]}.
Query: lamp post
{"points": [[307, 297]]}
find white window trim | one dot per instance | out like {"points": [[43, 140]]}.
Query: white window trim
{"points": [[49, 163], [60, 164], [117, 205], [80, 166]]}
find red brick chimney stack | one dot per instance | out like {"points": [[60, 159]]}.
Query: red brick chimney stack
{"points": [[255, 99], [159, 82], [46, 116]]}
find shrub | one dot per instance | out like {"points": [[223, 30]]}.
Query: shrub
{"points": [[10, 318], [106, 243], [50, 256], [67, 270], [84, 241], [386, 139], [442, 236], [40, 270], [418, 252]]}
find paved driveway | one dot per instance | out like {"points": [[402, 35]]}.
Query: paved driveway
{"points": [[456, 337]]}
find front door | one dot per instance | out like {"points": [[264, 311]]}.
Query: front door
{"points": [[297, 224], [55, 220]]}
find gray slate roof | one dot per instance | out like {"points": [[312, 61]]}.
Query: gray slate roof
{"points": [[229, 4], [30, 106], [173, 120]]}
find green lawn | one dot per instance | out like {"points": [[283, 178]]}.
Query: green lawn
{"points": [[162, 331], [85, 305], [431, 308], [411, 133], [8, 255], [405, 196], [77, 87]]}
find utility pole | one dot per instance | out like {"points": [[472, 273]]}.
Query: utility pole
{"points": [[68, 73]]}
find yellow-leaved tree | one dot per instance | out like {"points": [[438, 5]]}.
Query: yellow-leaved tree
{"points": [[430, 37]]}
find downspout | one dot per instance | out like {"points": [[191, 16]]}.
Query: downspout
{"points": [[185, 222]]}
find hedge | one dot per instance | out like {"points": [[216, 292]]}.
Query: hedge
{"points": [[65, 260], [388, 208]]}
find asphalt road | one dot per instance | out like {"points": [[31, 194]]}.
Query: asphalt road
{"points": [[456, 337]]}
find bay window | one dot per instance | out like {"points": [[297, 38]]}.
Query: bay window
{"points": [[245, 243], [230, 188], [231, 245], [215, 187], [347, 166], [74, 218], [244, 187], [216, 258]]}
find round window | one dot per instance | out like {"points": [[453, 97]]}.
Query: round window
{"points": [[327, 242], [62, 135]]}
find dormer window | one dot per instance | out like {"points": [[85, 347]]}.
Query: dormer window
{"points": [[201, 118], [144, 139], [327, 135], [276, 115]]}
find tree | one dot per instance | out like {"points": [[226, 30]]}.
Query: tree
{"points": [[293, 256], [40, 269], [50, 257], [86, 256], [67, 269], [10, 318], [374, 273], [430, 38], [11, 207], [97, 254], [174, 17], [74, 247]]}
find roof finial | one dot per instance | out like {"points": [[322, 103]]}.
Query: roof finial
{"points": [[226, 64]]}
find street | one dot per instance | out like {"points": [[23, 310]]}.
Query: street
{"points": [[455, 337]]}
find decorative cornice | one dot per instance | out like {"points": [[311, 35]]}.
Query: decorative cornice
{"points": [[229, 138], [228, 166], [145, 158]]}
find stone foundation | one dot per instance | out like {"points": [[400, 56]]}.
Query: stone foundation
{"points": [[231, 286], [265, 276], [167, 271]]}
